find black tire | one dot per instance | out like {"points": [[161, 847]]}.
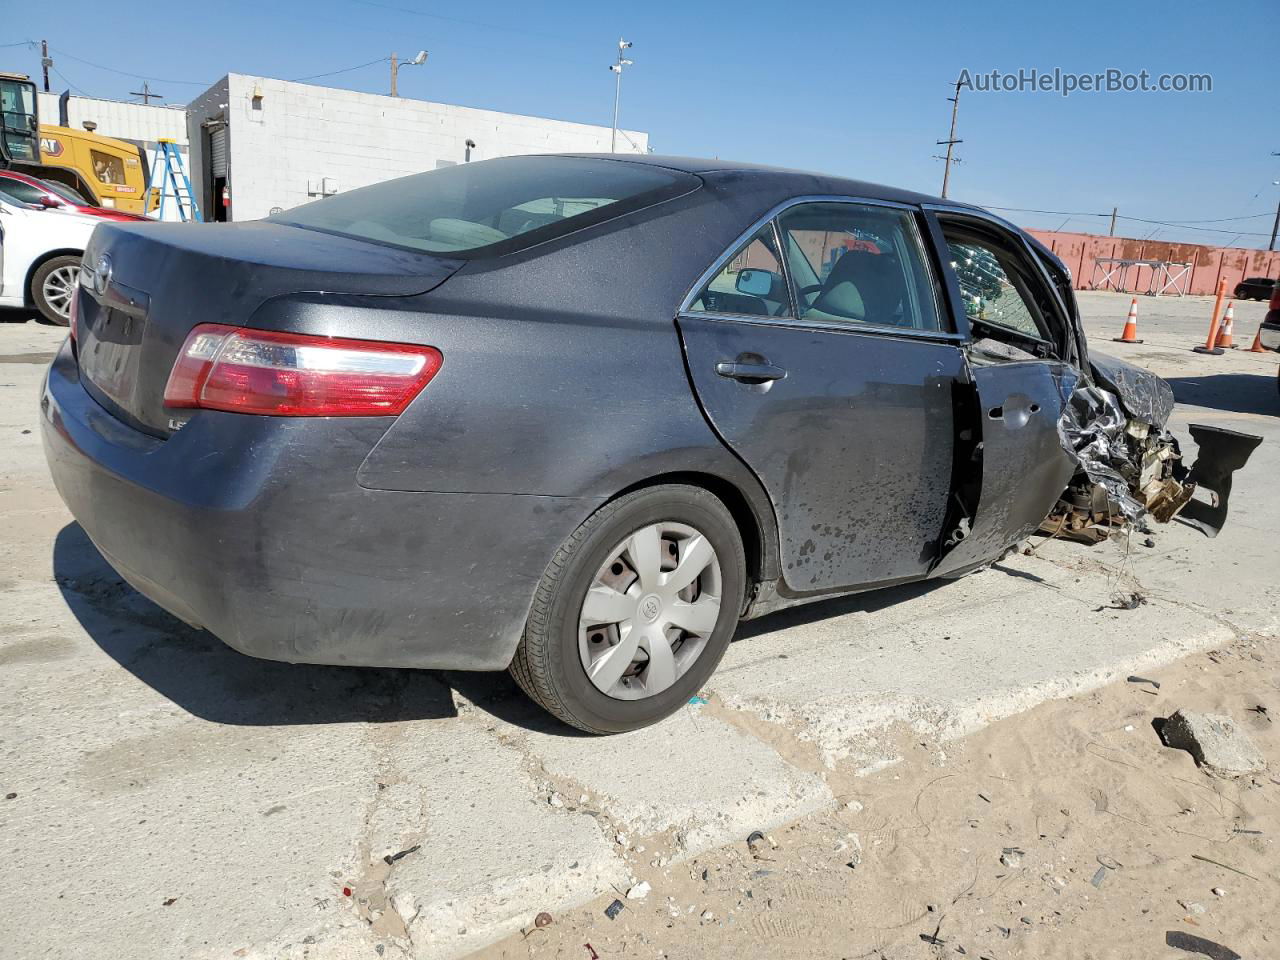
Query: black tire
{"points": [[48, 311], [547, 665]]}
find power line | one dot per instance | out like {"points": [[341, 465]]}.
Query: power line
{"points": [[63, 77], [1189, 224], [334, 73], [461, 20], [124, 73]]}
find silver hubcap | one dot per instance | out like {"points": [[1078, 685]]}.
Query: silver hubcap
{"points": [[650, 611], [59, 286]]}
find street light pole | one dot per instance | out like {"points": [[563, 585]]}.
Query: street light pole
{"points": [[617, 90], [417, 61]]}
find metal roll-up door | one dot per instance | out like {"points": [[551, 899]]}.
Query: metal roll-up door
{"points": [[218, 151]]}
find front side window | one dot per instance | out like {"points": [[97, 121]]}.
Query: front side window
{"points": [[493, 206], [861, 263], [750, 284], [995, 284]]}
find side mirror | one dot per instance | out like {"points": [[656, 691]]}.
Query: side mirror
{"points": [[49, 203], [755, 283]]}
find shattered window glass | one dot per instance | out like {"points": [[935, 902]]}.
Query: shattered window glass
{"points": [[988, 292]]}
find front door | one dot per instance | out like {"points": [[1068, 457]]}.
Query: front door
{"points": [[1020, 341], [832, 376]]}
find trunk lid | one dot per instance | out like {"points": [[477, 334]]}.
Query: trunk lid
{"points": [[145, 285]]}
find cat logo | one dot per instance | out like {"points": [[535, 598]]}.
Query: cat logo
{"points": [[51, 146]]}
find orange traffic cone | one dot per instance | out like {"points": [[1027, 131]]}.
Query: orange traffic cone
{"points": [[1224, 333], [1257, 342], [1130, 334]]}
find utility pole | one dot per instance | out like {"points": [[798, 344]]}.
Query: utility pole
{"points": [[45, 62], [617, 89], [146, 94], [1112, 231], [1275, 227], [950, 142], [395, 71]]}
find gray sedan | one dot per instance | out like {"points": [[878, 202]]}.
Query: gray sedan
{"points": [[577, 416]]}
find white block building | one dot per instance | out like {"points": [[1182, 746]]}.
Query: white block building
{"points": [[272, 144], [145, 123]]}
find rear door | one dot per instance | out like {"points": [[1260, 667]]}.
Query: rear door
{"points": [[820, 355], [1021, 352]]}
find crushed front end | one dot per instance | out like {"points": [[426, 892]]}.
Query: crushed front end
{"points": [[1130, 465]]}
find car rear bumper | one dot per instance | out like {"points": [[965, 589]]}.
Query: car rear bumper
{"points": [[256, 529]]}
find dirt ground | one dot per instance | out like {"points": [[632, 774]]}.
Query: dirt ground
{"points": [[1070, 831]]}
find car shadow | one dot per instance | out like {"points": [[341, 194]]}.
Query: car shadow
{"points": [[868, 602], [1234, 392], [21, 315], [209, 680]]}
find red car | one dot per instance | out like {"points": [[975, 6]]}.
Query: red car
{"points": [[49, 193]]}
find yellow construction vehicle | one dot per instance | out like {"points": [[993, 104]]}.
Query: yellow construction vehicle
{"points": [[113, 173]]}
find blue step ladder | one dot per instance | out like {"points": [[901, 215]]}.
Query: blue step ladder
{"points": [[169, 180]]}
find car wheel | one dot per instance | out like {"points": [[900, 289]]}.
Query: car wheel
{"points": [[635, 611], [52, 287]]}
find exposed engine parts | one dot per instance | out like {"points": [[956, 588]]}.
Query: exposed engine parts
{"points": [[1131, 467]]}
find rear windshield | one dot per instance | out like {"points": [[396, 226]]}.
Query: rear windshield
{"points": [[492, 206]]}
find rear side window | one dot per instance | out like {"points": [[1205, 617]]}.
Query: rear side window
{"points": [[492, 206], [860, 263], [22, 192]]}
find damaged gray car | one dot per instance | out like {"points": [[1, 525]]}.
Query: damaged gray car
{"points": [[578, 416]]}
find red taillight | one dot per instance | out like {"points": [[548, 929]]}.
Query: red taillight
{"points": [[295, 375]]}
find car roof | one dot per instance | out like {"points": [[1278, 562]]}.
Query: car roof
{"points": [[802, 182]]}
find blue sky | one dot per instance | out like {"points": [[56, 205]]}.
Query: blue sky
{"points": [[856, 89]]}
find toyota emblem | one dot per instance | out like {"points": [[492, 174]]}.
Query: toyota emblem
{"points": [[102, 274]]}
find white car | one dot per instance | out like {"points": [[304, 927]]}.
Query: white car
{"points": [[40, 254]]}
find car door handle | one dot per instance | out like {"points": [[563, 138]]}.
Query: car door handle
{"points": [[762, 372]]}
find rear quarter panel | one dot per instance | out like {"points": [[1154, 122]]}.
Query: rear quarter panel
{"points": [[563, 373]]}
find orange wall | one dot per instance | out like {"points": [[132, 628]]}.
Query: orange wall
{"points": [[1078, 250]]}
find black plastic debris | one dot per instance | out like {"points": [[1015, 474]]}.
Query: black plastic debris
{"points": [[613, 909], [1124, 601], [1137, 679], [1193, 944], [756, 842], [932, 938], [393, 857], [14, 796]]}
